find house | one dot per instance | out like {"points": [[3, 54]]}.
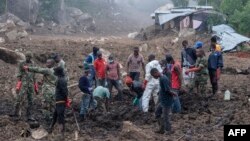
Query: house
{"points": [[196, 17]]}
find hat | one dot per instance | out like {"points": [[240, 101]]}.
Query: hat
{"points": [[128, 80], [28, 54], [198, 44], [110, 59], [99, 53]]}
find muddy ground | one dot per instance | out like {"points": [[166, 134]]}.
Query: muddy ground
{"points": [[199, 121]]}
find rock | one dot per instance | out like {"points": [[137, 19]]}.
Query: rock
{"points": [[2, 40], [10, 56], [187, 32], [132, 35], [132, 132], [39, 133], [80, 21], [40, 25], [27, 10], [12, 35], [22, 34], [239, 71], [144, 47]]}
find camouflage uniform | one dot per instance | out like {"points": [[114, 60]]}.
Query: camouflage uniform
{"points": [[48, 88], [27, 88], [201, 77]]}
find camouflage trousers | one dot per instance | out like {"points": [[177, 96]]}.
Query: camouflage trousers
{"points": [[25, 91], [199, 82], [49, 101]]}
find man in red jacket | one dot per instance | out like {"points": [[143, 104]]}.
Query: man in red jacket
{"points": [[100, 67]]}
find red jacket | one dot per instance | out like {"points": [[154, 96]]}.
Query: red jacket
{"points": [[100, 66]]}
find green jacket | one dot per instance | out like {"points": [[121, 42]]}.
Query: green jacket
{"points": [[27, 78], [48, 75]]}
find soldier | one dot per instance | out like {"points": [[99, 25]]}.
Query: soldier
{"points": [[201, 73], [25, 86], [48, 85]]}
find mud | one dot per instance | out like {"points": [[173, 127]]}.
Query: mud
{"points": [[201, 119]]}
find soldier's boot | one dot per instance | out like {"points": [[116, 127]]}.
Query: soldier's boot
{"points": [[16, 111], [28, 114], [161, 126], [51, 126]]}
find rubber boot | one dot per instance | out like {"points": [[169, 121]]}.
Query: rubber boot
{"points": [[28, 114], [16, 111], [51, 126], [161, 126]]}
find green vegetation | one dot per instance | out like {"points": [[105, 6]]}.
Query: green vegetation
{"points": [[49, 9], [237, 12], [2, 6], [180, 3]]}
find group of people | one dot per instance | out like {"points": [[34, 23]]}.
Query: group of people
{"points": [[163, 81], [54, 89]]}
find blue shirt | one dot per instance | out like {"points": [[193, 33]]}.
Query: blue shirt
{"points": [[215, 60], [91, 58], [166, 99], [84, 84]]}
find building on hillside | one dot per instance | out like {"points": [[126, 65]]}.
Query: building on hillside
{"points": [[197, 17]]}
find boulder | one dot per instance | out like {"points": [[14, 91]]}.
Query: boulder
{"points": [[12, 35], [187, 32], [2, 40], [10, 56], [132, 35], [27, 10], [78, 20], [39, 133]]}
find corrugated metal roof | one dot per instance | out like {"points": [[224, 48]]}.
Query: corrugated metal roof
{"points": [[163, 18], [229, 39], [218, 29]]}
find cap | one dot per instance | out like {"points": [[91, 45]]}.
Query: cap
{"points": [[28, 54], [198, 44]]}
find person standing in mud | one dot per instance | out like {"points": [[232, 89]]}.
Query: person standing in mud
{"points": [[87, 98], [100, 67], [48, 86], [61, 96], [26, 86], [188, 60], [175, 81], [61, 63], [201, 73], [134, 62], [166, 100], [90, 62], [150, 84], [113, 76], [215, 62]]}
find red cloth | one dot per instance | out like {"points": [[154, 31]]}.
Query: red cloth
{"points": [[175, 78], [18, 85], [100, 66]]}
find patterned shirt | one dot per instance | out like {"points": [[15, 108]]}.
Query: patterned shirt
{"points": [[202, 62]]}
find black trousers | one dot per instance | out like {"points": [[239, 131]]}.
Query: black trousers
{"points": [[213, 80], [166, 119], [135, 75], [59, 113]]}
